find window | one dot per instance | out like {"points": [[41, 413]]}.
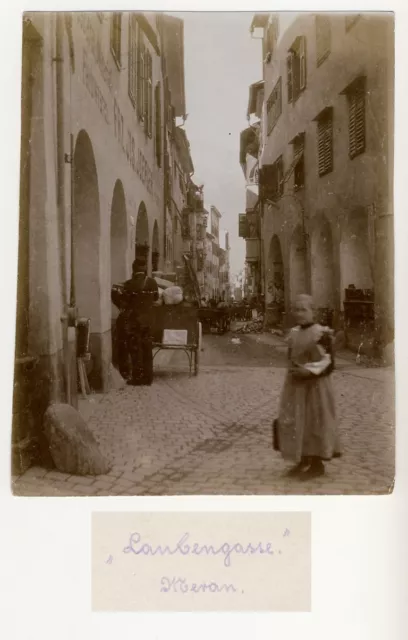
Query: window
{"points": [[323, 38], [279, 176], [271, 180], [357, 135], [351, 20], [299, 159], [274, 105], [132, 56], [148, 93], [144, 83], [325, 142], [296, 69], [181, 182], [157, 104], [116, 37], [140, 62]]}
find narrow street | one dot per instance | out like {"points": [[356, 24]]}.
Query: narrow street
{"points": [[211, 434]]}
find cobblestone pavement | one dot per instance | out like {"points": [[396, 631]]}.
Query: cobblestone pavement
{"points": [[211, 434]]}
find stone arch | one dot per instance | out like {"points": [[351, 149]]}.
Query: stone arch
{"points": [[297, 265], [155, 247], [87, 232], [275, 283], [274, 274], [118, 235], [142, 233], [356, 263], [322, 265]]}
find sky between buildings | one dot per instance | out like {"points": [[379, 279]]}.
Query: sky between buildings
{"points": [[221, 61]]}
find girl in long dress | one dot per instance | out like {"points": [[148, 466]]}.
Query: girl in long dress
{"points": [[307, 426]]}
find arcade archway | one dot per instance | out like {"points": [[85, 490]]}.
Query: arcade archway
{"points": [[356, 266], [322, 266], [297, 265], [275, 275], [142, 233], [87, 243], [155, 247], [118, 235], [87, 233]]}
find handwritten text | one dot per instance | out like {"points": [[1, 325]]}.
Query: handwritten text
{"points": [[184, 548], [179, 585]]}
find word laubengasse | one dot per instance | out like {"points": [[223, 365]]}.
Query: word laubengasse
{"points": [[183, 548]]}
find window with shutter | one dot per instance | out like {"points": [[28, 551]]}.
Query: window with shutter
{"points": [[357, 136], [323, 38], [157, 103], [289, 66], [116, 37], [140, 74], [325, 143], [279, 177], [132, 56], [149, 94], [274, 105], [302, 63], [296, 68]]}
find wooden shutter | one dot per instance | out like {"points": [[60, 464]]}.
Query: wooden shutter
{"points": [[321, 147], [325, 145], [279, 176], [149, 94], [302, 63], [360, 122], [116, 36], [329, 144], [289, 66], [157, 103], [356, 123], [145, 86], [132, 72], [140, 74]]}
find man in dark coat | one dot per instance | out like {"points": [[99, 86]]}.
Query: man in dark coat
{"points": [[140, 292]]}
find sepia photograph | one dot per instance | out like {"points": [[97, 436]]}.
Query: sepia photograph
{"points": [[205, 294]]}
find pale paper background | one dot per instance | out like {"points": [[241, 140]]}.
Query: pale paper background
{"points": [[359, 544], [262, 582]]}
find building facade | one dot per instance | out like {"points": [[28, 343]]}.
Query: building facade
{"points": [[325, 151], [212, 288], [99, 92]]}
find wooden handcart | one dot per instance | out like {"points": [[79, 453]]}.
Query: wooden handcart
{"points": [[177, 327]]}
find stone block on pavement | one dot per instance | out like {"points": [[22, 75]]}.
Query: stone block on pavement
{"points": [[72, 445], [115, 379]]}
